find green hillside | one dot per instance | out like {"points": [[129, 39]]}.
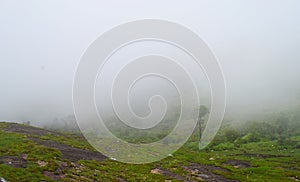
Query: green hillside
{"points": [[33, 154]]}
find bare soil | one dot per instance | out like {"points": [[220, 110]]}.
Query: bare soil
{"points": [[264, 156], [13, 161], [70, 153], [238, 163], [24, 129], [206, 173]]}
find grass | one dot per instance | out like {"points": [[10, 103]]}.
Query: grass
{"points": [[71, 140], [269, 161]]}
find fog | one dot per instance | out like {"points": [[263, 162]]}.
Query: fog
{"points": [[257, 44]]}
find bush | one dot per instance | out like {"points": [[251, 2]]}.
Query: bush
{"points": [[224, 146], [250, 137], [231, 135]]}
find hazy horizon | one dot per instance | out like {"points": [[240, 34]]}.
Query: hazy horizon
{"points": [[255, 42]]}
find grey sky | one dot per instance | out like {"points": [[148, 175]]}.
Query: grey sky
{"points": [[257, 43]]}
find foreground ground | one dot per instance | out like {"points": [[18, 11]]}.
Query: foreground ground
{"points": [[33, 154]]}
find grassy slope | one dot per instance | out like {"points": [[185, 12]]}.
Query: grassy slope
{"points": [[268, 162]]}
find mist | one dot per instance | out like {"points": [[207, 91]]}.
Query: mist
{"points": [[257, 44]]}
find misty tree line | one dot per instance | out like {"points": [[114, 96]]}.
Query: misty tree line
{"points": [[64, 124], [283, 127]]}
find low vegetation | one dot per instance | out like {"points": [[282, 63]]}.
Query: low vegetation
{"points": [[256, 151]]}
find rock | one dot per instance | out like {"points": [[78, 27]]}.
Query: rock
{"points": [[112, 158], [53, 176], [2, 180], [194, 172], [64, 164], [42, 163], [24, 156], [238, 163], [203, 176], [199, 179], [294, 178], [156, 171], [13, 161]]}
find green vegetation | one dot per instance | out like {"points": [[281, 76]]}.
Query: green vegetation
{"points": [[255, 151]]}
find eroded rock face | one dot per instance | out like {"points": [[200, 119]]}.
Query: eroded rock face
{"points": [[71, 153], [2, 180], [24, 129], [13, 161], [202, 172], [168, 173], [68, 152], [238, 163]]}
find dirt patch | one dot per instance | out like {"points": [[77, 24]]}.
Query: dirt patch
{"points": [[168, 173], [120, 179], [238, 163], [13, 161], [59, 174], [264, 156], [205, 173], [24, 129], [53, 176], [70, 153]]}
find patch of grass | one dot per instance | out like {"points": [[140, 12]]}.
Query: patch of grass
{"points": [[21, 174], [71, 140], [268, 160], [111, 170], [14, 144]]}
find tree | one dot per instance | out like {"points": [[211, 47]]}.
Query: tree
{"points": [[203, 110], [26, 123]]}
